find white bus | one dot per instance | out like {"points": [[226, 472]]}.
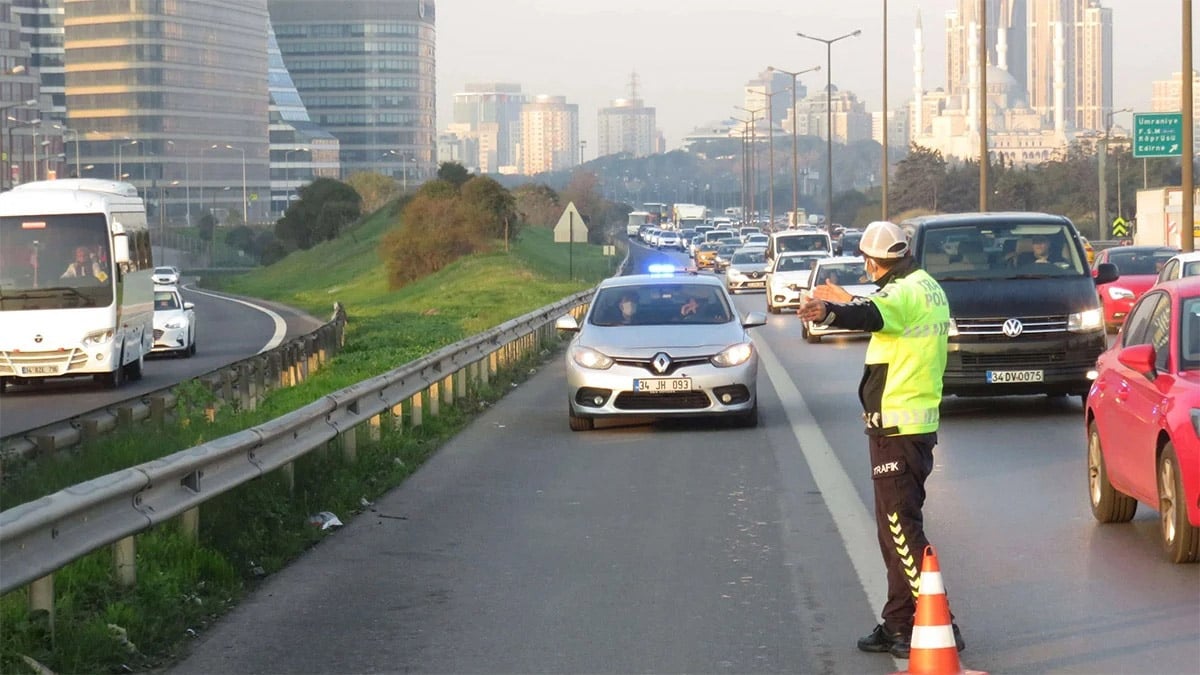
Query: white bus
{"points": [[76, 298]]}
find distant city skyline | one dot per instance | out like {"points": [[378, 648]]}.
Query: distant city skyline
{"points": [[695, 60]]}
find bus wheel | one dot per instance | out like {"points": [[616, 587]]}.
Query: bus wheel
{"points": [[114, 379], [135, 369]]}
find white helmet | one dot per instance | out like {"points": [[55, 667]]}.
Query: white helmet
{"points": [[884, 240]]}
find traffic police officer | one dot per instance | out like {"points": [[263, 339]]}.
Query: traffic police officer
{"points": [[901, 388]]}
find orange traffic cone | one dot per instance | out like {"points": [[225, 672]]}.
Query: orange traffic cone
{"points": [[933, 651]]}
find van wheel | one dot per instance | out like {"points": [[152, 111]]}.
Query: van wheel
{"points": [[113, 380], [134, 370]]}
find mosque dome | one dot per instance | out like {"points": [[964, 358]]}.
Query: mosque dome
{"points": [[1004, 92]]}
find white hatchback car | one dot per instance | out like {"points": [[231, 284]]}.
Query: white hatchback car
{"points": [[661, 345], [787, 277], [165, 276], [845, 271], [174, 322]]}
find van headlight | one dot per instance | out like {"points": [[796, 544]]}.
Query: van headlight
{"points": [[589, 358], [98, 337], [1085, 321], [734, 355]]}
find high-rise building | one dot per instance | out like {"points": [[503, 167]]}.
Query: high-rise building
{"points": [[771, 83], [627, 126], [851, 121], [491, 113], [1007, 42], [19, 98], [365, 70], [1167, 96], [41, 24], [158, 92], [549, 135], [300, 149], [1070, 62]]}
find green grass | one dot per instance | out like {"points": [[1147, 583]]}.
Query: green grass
{"points": [[257, 528]]}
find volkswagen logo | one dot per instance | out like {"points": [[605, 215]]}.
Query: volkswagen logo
{"points": [[1012, 328], [661, 363]]}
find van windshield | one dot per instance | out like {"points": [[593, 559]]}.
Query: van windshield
{"points": [[1012, 250], [54, 262]]}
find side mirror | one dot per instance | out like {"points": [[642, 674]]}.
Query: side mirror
{"points": [[754, 319], [120, 244], [189, 305], [1105, 273], [1139, 358], [566, 324]]}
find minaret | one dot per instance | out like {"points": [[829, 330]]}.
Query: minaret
{"points": [[1002, 46], [1059, 79], [918, 76], [972, 77]]}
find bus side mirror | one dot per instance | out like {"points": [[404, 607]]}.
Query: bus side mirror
{"points": [[120, 244]]}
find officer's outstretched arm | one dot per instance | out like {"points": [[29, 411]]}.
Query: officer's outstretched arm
{"points": [[862, 314]]}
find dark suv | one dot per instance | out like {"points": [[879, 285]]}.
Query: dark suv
{"points": [[1025, 315]]}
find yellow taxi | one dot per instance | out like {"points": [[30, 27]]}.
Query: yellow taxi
{"points": [[706, 255], [1089, 249]]}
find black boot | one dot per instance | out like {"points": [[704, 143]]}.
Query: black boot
{"points": [[880, 640]]}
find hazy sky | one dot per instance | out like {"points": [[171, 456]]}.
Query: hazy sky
{"points": [[693, 57]]}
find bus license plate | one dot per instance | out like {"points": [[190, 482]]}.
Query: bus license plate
{"points": [[39, 370], [1014, 376], [662, 385]]}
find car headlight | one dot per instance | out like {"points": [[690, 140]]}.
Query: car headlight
{"points": [[98, 337], [952, 331], [1086, 321], [734, 355], [589, 358], [1118, 293]]}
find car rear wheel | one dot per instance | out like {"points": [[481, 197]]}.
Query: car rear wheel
{"points": [[1181, 540], [579, 423], [1108, 504]]}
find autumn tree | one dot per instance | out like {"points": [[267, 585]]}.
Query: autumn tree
{"points": [[375, 189], [537, 204], [489, 207]]}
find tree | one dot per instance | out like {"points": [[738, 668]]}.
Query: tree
{"points": [[308, 220], [435, 231], [454, 173], [582, 191], [537, 204], [207, 225], [919, 178], [374, 188], [490, 208]]}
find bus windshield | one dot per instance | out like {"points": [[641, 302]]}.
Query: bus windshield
{"points": [[55, 262]]}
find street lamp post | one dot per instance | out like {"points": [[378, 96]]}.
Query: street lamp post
{"points": [[67, 130], [767, 96], [3, 107], [1101, 158], [245, 203], [745, 168], [21, 123], [120, 158], [829, 120], [287, 176], [795, 154], [753, 159]]}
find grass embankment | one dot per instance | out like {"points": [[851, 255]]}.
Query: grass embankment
{"points": [[256, 529]]}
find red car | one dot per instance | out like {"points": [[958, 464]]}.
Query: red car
{"points": [[1138, 267], [1143, 418]]}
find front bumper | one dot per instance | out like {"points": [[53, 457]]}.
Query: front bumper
{"points": [[170, 340], [745, 284], [1067, 362], [715, 391]]}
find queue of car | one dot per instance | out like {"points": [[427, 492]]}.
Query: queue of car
{"points": [[174, 317]]}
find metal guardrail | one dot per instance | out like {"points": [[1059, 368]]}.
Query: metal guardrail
{"points": [[40, 537], [246, 381]]}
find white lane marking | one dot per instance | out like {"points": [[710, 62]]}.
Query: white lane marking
{"points": [[853, 520], [280, 324]]}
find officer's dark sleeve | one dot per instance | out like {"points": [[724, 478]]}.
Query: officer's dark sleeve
{"points": [[861, 314]]}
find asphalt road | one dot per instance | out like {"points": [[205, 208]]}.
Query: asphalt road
{"points": [[682, 547], [228, 329]]}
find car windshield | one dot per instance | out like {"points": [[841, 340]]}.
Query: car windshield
{"points": [[802, 242], [1189, 335], [748, 258], [164, 300], [1008, 250], [1140, 261], [793, 263], [1191, 269], [660, 305], [726, 250], [842, 273]]}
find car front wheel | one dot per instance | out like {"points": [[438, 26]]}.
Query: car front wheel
{"points": [[579, 423], [1109, 505], [1181, 540]]}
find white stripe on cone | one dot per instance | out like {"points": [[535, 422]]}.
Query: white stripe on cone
{"points": [[931, 583], [933, 637]]}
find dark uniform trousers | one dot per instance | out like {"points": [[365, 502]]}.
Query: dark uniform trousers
{"points": [[899, 467]]}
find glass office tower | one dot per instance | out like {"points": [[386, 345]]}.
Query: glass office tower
{"points": [[365, 71]]}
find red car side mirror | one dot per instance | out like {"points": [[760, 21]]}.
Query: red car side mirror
{"points": [[1139, 358]]}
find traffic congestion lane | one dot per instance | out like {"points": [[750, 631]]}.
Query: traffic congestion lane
{"points": [[227, 330]]}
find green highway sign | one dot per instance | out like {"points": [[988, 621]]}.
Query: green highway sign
{"points": [[1157, 134]]}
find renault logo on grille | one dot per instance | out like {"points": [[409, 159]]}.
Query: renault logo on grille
{"points": [[661, 362], [1012, 328]]}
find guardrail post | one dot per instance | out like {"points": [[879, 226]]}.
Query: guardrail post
{"points": [[448, 389], [460, 383], [158, 410], [91, 431], [41, 598], [313, 362], [397, 418], [125, 417], [124, 554], [45, 445], [189, 524], [260, 379], [415, 406], [485, 368], [493, 362], [375, 428], [288, 471], [350, 444], [226, 386], [245, 402], [434, 398]]}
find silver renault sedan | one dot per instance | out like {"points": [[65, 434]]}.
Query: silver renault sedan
{"points": [[664, 344]]}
